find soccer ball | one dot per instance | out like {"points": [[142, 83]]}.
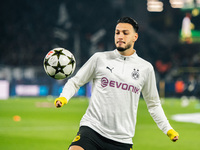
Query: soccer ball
{"points": [[59, 63]]}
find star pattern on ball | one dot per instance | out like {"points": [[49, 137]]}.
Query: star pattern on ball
{"points": [[46, 63], [59, 68], [71, 61], [59, 63], [58, 53]]}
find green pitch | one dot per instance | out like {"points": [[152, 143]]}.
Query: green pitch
{"points": [[44, 127]]}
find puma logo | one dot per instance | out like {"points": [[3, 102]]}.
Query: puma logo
{"points": [[109, 69]]}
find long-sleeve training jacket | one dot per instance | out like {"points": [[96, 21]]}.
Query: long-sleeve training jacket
{"points": [[117, 82]]}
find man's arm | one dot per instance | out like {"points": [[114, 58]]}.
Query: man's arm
{"points": [[84, 75], [155, 109]]}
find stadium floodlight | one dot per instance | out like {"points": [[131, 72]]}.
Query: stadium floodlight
{"points": [[154, 6], [177, 3]]}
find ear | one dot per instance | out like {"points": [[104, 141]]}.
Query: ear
{"points": [[135, 37]]}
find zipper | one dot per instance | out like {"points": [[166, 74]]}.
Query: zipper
{"points": [[123, 65]]}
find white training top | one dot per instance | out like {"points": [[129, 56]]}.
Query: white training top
{"points": [[117, 83]]}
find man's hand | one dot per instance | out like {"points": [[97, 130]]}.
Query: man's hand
{"points": [[60, 101], [175, 139], [173, 135], [58, 104]]}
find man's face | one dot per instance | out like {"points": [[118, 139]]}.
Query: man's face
{"points": [[125, 36]]}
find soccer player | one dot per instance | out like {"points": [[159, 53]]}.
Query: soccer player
{"points": [[118, 77]]}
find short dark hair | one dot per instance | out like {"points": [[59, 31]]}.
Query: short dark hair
{"points": [[130, 21]]}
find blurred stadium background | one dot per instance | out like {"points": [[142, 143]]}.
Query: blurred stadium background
{"points": [[29, 29]]}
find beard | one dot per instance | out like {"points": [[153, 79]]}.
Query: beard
{"points": [[122, 49]]}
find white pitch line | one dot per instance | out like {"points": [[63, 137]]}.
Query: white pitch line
{"points": [[192, 118]]}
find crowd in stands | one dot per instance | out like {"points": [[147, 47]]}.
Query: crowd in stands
{"points": [[29, 29]]}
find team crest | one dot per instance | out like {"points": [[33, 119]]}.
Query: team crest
{"points": [[77, 138], [135, 74]]}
